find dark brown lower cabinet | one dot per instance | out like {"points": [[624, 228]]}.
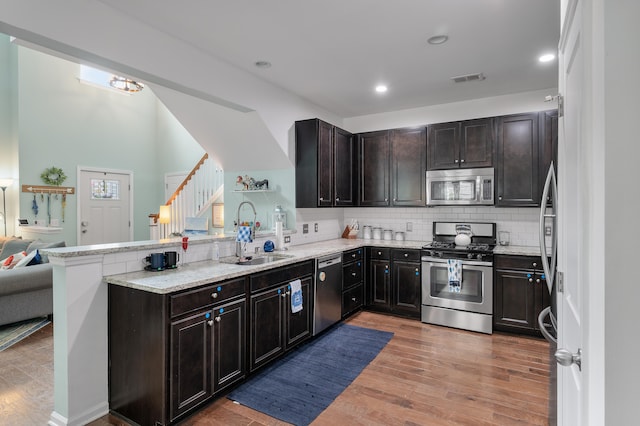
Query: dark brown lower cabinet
{"points": [[352, 281], [394, 281], [274, 328], [190, 382], [171, 353], [520, 293]]}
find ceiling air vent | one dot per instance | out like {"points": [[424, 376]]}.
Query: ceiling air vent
{"points": [[469, 77]]}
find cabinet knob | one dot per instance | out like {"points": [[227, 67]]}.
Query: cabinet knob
{"points": [[217, 319], [210, 323], [406, 255], [500, 197], [354, 299], [455, 161], [395, 199], [214, 295], [386, 200], [353, 255], [379, 253], [321, 199], [353, 274], [538, 280], [535, 264], [462, 161], [337, 198], [530, 280]]}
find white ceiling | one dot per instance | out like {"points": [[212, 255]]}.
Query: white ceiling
{"points": [[333, 52]]}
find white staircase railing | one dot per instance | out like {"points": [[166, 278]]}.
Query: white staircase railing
{"points": [[200, 189]]}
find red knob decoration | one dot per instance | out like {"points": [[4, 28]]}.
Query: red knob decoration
{"points": [[185, 242]]}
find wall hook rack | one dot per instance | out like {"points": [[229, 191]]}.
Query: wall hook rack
{"points": [[47, 189]]}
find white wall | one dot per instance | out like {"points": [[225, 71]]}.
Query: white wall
{"points": [[477, 108]]}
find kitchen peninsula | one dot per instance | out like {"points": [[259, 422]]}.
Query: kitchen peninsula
{"points": [[81, 297]]}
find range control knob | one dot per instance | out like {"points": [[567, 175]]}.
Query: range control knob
{"points": [[479, 256], [470, 256]]}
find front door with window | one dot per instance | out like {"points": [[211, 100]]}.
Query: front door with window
{"points": [[105, 213]]}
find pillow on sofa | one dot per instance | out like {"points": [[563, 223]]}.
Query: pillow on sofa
{"points": [[14, 245], [12, 260], [39, 245], [32, 258]]}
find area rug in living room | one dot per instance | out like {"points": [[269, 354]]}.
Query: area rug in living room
{"points": [[298, 387], [11, 334]]}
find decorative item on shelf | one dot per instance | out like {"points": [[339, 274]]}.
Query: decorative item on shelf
{"points": [[53, 176], [250, 184], [125, 84]]}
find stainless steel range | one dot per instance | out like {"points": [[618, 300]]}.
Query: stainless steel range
{"points": [[457, 281]]}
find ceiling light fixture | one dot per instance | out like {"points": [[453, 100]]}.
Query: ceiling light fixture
{"points": [[125, 84], [547, 57], [262, 64], [381, 88], [438, 39]]}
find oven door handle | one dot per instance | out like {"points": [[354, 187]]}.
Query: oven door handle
{"points": [[443, 261]]}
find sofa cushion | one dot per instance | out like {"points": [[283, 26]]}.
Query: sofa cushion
{"points": [[40, 245], [23, 280], [11, 261]]}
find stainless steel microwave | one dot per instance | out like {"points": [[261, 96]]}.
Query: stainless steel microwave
{"points": [[460, 187]]}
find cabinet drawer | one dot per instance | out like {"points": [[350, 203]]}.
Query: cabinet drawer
{"points": [[208, 295], [273, 277], [517, 262], [408, 255], [351, 255], [352, 299], [351, 274], [379, 253]]}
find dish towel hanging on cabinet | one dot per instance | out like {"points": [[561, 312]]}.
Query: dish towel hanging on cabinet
{"points": [[454, 268], [244, 234], [296, 296]]}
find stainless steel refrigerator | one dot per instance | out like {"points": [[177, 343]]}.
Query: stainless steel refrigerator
{"points": [[549, 218]]}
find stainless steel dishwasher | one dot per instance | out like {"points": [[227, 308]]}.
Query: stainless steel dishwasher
{"points": [[328, 292]]}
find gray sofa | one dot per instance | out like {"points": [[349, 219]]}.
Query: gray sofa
{"points": [[25, 292]]}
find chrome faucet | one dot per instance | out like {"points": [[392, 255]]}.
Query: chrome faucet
{"points": [[253, 227]]}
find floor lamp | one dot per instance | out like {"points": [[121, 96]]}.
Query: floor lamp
{"points": [[4, 184]]}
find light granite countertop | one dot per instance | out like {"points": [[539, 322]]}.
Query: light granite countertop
{"points": [[517, 250], [206, 272]]}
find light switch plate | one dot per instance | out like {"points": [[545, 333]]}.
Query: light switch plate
{"points": [[305, 228]]}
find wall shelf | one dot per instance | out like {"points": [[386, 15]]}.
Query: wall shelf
{"points": [[48, 189]]}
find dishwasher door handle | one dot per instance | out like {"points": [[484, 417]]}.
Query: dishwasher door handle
{"points": [[325, 263]]}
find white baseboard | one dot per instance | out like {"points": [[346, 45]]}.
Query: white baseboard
{"points": [[88, 416]]}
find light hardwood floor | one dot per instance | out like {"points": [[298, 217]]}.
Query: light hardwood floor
{"points": [[426, 375]]}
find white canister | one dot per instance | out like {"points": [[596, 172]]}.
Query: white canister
{"points": [[377, 233], [387, 235], [399, 236], [366, 232]]}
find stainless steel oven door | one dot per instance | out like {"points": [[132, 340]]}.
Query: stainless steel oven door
{"points": [[476, 292]]}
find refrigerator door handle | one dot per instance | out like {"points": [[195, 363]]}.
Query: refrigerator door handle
{"points": [[550, 186], [543, 314]]}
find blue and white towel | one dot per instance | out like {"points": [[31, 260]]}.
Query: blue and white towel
{"points": [[244, 234], [454, 268], [296, 296]]}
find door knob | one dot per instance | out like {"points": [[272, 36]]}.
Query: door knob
{"points": [[566, 358]]}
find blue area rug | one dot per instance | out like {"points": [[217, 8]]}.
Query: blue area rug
{"points": [[298, 387], [13, 333]]}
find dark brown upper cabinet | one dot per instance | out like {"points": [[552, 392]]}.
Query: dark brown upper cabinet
{"points": [[461, 144], [326, 160], [527, 143], [392, 167]]}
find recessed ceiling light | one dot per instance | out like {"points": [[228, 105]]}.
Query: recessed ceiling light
{"points": [[547, 57], [263, 64], [381, 88], [438, 39]]}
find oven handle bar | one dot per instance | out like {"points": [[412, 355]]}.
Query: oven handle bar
{"points": [[464, 261]]}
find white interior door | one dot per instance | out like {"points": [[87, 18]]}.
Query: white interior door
{"points": [[105, 207], [171, 183], [573, 218]]}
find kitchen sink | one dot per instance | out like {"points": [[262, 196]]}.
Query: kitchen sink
{"points": [[257, 260]]}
